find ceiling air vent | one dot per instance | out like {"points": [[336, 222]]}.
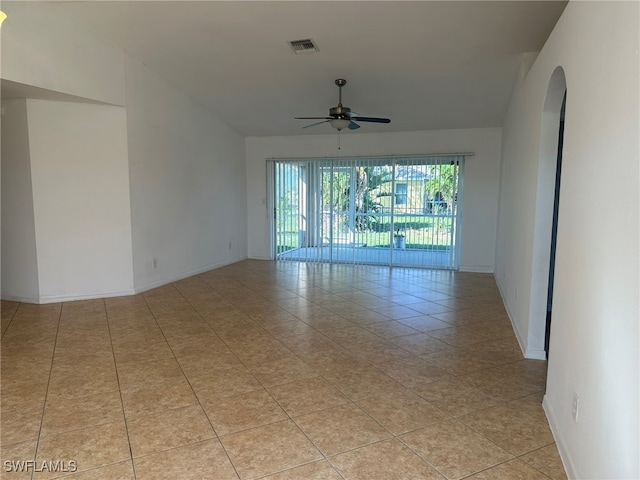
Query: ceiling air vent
{"points": [[303, 46]]}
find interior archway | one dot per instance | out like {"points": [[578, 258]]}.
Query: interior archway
{"points": [[550, 151]]}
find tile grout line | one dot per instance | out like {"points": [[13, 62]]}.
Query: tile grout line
{"points": [[46, 396], [115, 365], [13, 315]]}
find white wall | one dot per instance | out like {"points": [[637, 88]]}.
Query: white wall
{"points": [[480, 181], [187, 168], [80, 179], [42, 48], [19, 266], [594, 350], [186, 200]]}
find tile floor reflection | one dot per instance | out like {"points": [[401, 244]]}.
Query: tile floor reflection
{"points": [[276, 371]]}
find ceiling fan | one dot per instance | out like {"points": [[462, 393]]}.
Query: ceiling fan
{"points": [[342, 117]]}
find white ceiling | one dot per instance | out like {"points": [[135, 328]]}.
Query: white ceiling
{"points": [[426, 64]]}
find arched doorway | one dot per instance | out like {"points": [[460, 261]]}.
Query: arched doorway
{"points": [[546, 218], [554, 227]]}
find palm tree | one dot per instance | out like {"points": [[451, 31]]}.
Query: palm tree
{"points": [[367, 182], [367, 195], [441, 189]]}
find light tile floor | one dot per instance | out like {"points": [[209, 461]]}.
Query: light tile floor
{"points": [[279, 371]]}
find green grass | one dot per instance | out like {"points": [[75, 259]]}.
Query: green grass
{"points": [[421, 233]]}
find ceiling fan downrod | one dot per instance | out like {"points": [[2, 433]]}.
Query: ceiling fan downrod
{"points": [[340, 111], [340, 82]]}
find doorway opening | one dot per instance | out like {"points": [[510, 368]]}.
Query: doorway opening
{"points": [[547, 226], [554, 226], [397, 211]]}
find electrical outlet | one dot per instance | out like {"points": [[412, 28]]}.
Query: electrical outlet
{"points": [[576, 404], [229, 245], [154, 263], [516, 292]]}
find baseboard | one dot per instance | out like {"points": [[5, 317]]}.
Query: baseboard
{"points": [[44, 299], [258, 257], [17, 298], [87, 296], [521, 341], [535, 354], [475, 269], [181, 276], [568, 465]]}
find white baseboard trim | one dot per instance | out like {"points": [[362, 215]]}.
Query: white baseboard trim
{"points": [[535, 354], [17, 298], [569, 467], [259, 257], [519, 336], [45, 299], [196, 271], [475, 269], [85, 296], [521, 340]]}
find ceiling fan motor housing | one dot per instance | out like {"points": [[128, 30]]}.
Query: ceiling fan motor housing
{"points": [[339, 112]]}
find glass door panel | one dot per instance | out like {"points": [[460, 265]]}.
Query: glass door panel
{"points": [[394, 211]]}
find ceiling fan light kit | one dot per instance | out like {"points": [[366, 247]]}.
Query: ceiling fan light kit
{"points": [[341, 117], [339, 123]]}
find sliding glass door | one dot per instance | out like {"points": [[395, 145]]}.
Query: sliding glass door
{"points": [[384, 211]]}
